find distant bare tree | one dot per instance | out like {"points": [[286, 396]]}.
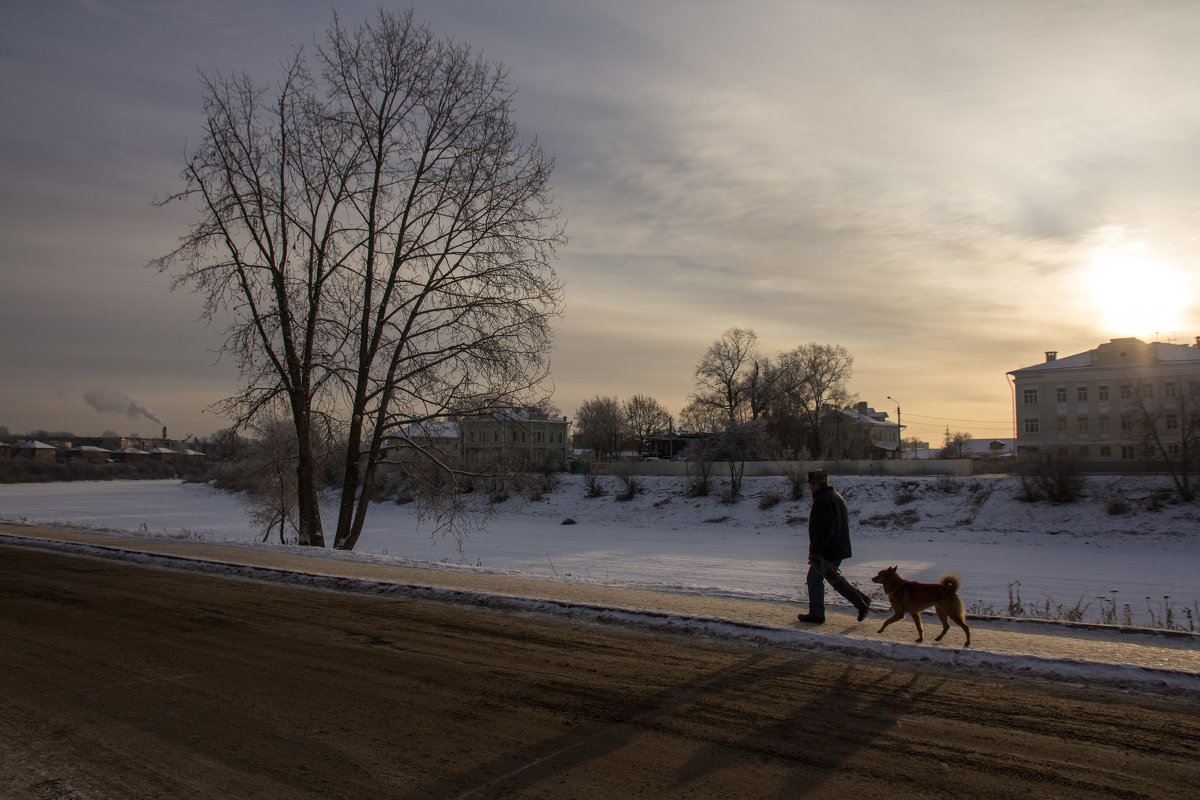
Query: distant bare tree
{"points": [[722, 374], [600, 426], [812, 378], [380, 239], [697, 417], [271, 498], [910, 444], [955, 444], [644, 417], [1166, 417]]}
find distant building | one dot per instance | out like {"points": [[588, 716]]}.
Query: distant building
{"points": [[37, 451], [858, 433], [439, 438], [89, 453], [670, 445], [1106, 404], [161, 454], [515, 437], [519, 438], [990, 448], [129, 455]]}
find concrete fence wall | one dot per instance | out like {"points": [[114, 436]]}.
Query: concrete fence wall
{"points": [[755, 469]]}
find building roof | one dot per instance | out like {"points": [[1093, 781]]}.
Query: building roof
{"points": [[35, 445], [518, 415], [1115, 352], [859, 417], [431, 429]]}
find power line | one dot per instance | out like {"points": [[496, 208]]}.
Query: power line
{"points": [[954, 419]]}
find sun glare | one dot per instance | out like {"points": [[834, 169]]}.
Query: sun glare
{"points": [[1133, 292]]}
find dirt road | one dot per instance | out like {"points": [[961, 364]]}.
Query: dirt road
{"points": [[122, 681]]}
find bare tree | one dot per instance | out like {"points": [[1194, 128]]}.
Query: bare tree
{"points": [[1166, 417], [812, 378], [955, 444], [722, 374], [271, 498], [644, 417], [697, 417], [379, 237], [600, 426]]}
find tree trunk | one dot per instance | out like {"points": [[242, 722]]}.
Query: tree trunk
{"points": [[308, 510]]}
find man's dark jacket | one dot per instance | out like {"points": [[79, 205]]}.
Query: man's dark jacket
{"points": [[829, 526]]}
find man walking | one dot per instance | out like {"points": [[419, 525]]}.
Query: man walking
{"points": [[828, 546]]}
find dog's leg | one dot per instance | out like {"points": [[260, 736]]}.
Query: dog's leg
{"points": [[916, 615], [945, 622], [896, 617], [956, 614]]}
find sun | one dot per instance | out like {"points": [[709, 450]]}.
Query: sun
{"points": [[1134, 292]]}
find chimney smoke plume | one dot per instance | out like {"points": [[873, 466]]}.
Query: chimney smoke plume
{"points": [[108, 401]]}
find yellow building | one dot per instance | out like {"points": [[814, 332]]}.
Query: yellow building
{"points": [[520, 437], [1124, 401]]}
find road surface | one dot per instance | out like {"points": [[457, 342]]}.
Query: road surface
{"points": [[127, 681]]}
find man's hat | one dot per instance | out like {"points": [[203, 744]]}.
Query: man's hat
{"points": [[818, 476]]}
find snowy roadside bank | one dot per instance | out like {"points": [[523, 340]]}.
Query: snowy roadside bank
{"points": [[1070, 561]]}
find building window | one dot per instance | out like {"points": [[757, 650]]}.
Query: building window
{"points": [[1083, 424], [1031, 397], [1170, 390], [1061, 424], [1147, 391], [1126, 392], [1172, 422], [1194, 388], [1172, 449], [1128, 451], [1104, 425], [1101, 392], [1081, 394], [1105, 450], [1031, 424], [1126, 423], [1060, 394], [1083, 451]]}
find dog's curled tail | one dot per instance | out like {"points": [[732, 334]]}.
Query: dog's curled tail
{"points": [[950, 581]]}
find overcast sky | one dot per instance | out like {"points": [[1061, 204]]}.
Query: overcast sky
{"points": [[947, 189]]}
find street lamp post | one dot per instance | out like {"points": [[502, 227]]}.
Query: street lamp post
{"points": [[899, 429]]}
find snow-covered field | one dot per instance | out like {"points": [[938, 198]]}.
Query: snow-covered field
{"points": [[1138, 567]]}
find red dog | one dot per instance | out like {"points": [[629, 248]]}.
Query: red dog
{"points": [[910, 597]]}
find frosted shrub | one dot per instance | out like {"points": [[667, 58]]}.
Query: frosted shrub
{"points": [[769, 500]]}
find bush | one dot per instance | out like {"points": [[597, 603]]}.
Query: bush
{"points": [[797, 482], [769, 500], [1053, 475], [697, 486], [905, 493], [1117, 507], [631, 485], [947, 485], [594, 487], [535, 485]]}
